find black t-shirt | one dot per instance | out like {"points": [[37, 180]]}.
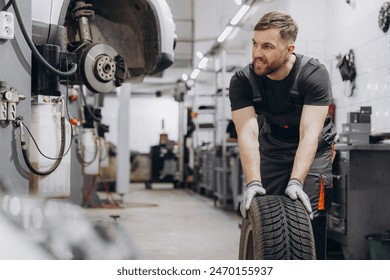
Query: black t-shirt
{"points": [[316, 89]]}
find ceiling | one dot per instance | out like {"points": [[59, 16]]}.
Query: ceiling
{"points": [[198, 24]]}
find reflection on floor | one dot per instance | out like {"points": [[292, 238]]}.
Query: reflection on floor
{"points": [[167, 223]]}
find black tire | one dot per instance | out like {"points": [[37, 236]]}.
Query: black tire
{"points": [[277, 228]]}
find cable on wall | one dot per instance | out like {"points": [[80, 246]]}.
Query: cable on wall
{"points": [[35, 51]]}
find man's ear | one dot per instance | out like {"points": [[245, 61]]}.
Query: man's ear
{"points": [[291, 48]]}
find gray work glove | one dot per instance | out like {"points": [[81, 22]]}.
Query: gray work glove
{"points": [[294, 190], [252, 189]]}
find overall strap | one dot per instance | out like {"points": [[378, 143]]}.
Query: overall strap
{"points": [[257, 98], [306, 67]]}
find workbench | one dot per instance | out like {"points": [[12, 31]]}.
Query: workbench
{"points": [[361, 199]]}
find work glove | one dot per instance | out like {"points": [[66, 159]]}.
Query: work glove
{"points": [[294, 190], [252, 189]]}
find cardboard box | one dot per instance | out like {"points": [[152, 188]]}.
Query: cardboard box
{"points": [[356, 128], [357, 117], [355, 138], [366, 110], [365, 118], [353, 117]]}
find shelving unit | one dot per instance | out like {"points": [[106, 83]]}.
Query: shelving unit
{"points": [[211, 125], [223, 193], [205, 151]]}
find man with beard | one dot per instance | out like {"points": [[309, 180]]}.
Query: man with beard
{"points": [[279, 106]]}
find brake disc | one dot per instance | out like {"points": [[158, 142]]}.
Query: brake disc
{"points": [[98, 68]]}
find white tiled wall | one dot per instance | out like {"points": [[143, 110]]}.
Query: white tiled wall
{"points": [[328, 28], [357, 28], [145, 120]]}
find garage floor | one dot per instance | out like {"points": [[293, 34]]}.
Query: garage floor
{"points": [[166, 224]]}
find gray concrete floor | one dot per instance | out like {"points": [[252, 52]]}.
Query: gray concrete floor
{"points": [[175, 224]]}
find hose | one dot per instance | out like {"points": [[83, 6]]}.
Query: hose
{"points": [[7, 5], [40, 151], [34, 50], [94, 117], [58, 160], [80, 157]]}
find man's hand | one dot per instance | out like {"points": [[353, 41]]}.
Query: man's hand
{"points": [[294, 190], [252, 189]]}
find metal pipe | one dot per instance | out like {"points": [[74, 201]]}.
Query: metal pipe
{"points": [[181, 141]]}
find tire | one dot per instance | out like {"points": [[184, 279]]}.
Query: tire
{"points": [[277, 228]]}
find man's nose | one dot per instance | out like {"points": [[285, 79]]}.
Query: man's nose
{"points": [[257, 52]]}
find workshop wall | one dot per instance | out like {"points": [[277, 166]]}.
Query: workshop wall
{"points": [[356, 27], [145, 119], [331, 28], [310, 18]]}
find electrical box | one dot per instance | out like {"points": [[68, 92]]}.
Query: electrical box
{"points": [[7, 25]]}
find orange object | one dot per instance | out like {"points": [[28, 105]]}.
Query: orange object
{"points": [[321, 201], [73, 121], [73, 97]]}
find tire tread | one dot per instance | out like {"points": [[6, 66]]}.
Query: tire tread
{"points": [[281, 229]]}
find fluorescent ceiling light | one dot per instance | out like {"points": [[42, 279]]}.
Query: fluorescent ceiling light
{"points": [[199, 54], [238, 2], [241, 12], [225, 33], [195, 73], [234, 33], [202, 64], [184, 77]]}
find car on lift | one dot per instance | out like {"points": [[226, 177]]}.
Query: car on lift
{"points": [[141, 31]]}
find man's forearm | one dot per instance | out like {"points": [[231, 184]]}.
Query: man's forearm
{"points": [[312, 123], [304, 158], [250, 158], [248, 131]]}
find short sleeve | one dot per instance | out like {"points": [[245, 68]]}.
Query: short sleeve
{"points": [[317, 88], [240, 93]]}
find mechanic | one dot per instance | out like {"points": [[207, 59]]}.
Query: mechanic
{"points": [[279, 106]]}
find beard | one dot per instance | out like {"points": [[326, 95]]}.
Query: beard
{"points": [[262, 67]]}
